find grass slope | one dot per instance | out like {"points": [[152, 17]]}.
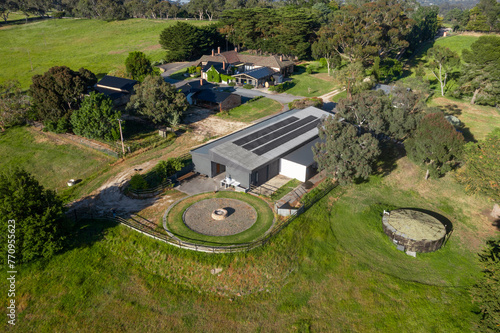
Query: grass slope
{"points": [[97, 45], [310, 85], [252, 110], [331, 270], [51, 162]]}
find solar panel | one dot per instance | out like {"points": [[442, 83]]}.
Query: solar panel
{"points": [[285, 138], [264, 131], [276, 134]]}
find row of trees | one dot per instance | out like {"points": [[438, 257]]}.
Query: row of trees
{"points": [[485, 16]]}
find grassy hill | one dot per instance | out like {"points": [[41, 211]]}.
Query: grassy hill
{"points": [[97, 45]]}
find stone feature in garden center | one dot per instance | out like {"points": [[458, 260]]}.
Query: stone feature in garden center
{"points": [[208, 218]]}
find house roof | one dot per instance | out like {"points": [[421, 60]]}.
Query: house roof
{"points": [[213, 96], [217, 65], [116, 83], [257, 73], [195, 85], [113, 94], [257, 145], [387, 89], [233, 57]]}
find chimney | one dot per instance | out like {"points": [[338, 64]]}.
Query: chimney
{"points": [[281, 58], [218, 50], [224, 65], [213, 52], [201, 82]]}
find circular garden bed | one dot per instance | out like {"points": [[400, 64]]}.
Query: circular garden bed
{"points": [[248, 219]]}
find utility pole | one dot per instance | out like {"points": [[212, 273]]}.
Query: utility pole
{"points": [[121, 135]]}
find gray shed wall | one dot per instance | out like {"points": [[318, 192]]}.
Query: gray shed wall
{"points": [[202, 164]]}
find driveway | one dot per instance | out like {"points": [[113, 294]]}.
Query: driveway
{"points": [[171, 68], [198, 184]]}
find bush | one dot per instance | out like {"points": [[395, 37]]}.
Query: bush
{"points": [[248, 86], [323, 63], [62, 125], [282, 87], [231, 84], [58, 15], [137, 182], [167, 168], [303, 103]]}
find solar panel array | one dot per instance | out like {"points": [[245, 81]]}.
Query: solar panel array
{"points": [[266, 130], [273, 136]]}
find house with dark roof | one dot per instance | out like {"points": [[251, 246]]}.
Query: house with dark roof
{"points": [[278, 145], [116, 88], [234, 63]]}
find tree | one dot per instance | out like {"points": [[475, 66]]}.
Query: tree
{"points": [[365, 110], [435, 144], [165, 169], [487, 291], [325, 47], [14, 104], [481, 71], [406, 110], [38, 215], [343, 152], [491, 9], [158, 100], [96, 118], [138, 65], [443, 60], [477, 20], [481, 172], [181, 41], [59, 91]]}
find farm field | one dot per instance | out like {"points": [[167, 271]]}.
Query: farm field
{"points": [[97, 45], [332, 269], [52, 162]]}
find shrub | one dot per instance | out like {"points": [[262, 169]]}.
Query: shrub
{"points": [[231, 84], [303, 103], [137, 182], [167, 168], [282, 87], [248, 86], [323, 62], [309, 70], [62, 125], [58, 15]]}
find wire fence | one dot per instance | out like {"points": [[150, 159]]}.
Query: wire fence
{"points": [[169, 238]]}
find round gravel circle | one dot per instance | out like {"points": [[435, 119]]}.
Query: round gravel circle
{"points": [[240, 217]]}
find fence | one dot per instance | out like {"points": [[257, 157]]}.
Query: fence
{"points": [[217, 248]]}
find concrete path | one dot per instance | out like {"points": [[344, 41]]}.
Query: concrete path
{"points": [[171, 68]]}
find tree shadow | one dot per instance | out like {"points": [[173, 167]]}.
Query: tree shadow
{"points": [[496, 224], [391, 152], [443, 219], [450, 109], [230, 211]]}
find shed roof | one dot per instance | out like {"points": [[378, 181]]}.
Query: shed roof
{"points": [[259, 144], [213, 96], [304, 155], [113, 82]]}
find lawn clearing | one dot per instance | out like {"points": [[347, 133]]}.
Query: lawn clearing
{"points": [[97, 45], [479, 120], [264, 221], [310, 85], [53, 163], [252, 110]]}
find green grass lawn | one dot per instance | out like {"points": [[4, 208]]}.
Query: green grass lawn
{"points": [[330, 270], [457, 43], [97, 45], [310, 85], [264, 220], [285, 189], [252, 110], [51, 162], [339, 96]]}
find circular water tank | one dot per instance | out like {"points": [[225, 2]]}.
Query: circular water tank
{"points": [[413, 230]]}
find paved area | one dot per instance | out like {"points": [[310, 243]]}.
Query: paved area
{"points": [[198, 184], [271, 186], [240, 217]]}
